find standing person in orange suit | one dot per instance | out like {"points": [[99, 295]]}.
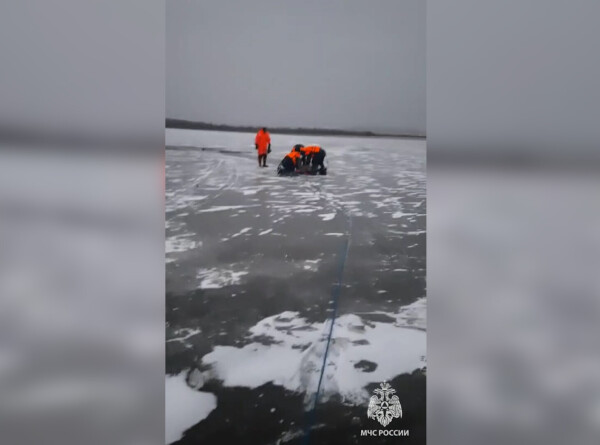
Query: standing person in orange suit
{"points": [[262, 143]]}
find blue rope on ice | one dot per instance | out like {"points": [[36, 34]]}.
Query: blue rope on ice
{"points": [[335, 297]]}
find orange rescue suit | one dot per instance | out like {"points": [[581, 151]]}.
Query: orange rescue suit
{"points": [[311, 149], [294, 156], [262, 141]]}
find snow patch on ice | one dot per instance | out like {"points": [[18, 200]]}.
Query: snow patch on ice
{"points": [[193, 198], [252, 191], [288, 351], [225, 208], [184, 334], [312, 265], [180, 243], [218, 278], [414, 315], [327, 216], [241, 232], [184, 407]]}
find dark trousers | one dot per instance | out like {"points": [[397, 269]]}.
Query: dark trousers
{"points": [[317, 160], [286, 167], [264, 160]]}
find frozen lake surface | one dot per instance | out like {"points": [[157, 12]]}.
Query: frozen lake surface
{"points": [[252, 260]]}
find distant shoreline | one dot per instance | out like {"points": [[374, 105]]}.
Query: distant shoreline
{"points": [[191, 125]]}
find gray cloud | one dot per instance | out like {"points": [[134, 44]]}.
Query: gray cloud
{"points": [[343, 64]]}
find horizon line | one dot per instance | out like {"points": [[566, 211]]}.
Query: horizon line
{"points": [[201, 125]]}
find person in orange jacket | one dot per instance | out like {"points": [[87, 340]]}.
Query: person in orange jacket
{"points": [[290, 163], [262, 143], [313, 156]]}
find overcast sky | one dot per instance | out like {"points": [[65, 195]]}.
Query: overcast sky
{"points": [[350, 64]]}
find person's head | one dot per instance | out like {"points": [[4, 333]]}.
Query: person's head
{"points": [[298, 147], [264, 129]]}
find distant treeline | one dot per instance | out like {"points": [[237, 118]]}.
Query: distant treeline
{"points": [[190, 125]]}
